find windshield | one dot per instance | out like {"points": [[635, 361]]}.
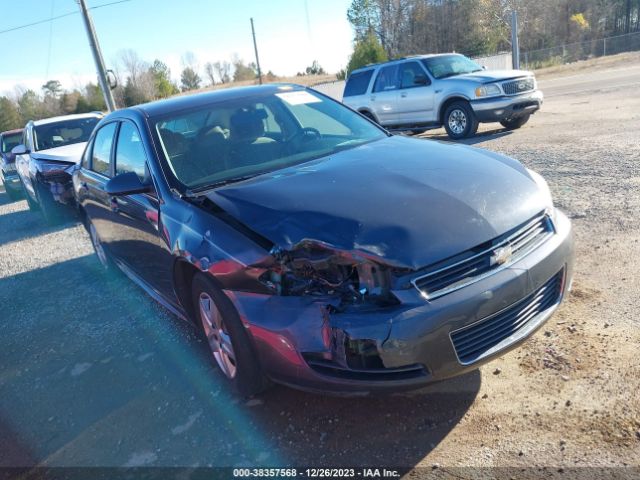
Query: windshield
{"points": [[59, 134], [449, 65], [245, 137], [10, 141]]}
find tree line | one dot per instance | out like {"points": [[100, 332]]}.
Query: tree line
{"points": [[395, 28], [138, 81]]}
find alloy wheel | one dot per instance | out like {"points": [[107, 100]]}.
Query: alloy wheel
{"points": [[217, 336], [457, 121]]}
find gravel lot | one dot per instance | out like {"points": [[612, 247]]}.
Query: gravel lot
{"points": [[94, 373]]}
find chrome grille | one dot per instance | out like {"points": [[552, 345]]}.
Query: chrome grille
{"points": [[477, 340], [477, 263], [520, 85]]}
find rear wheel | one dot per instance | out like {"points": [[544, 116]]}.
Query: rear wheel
{"points": [[460, 121], [226, 337], [515, 123]]}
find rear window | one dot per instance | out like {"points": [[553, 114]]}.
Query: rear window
{"points": [[358, 83]]}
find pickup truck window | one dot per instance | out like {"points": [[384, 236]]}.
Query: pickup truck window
{"points": [[358, 83], [387, 79]]}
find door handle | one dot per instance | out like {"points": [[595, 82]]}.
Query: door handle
{"points": [[373, 98], [403, 94], [113, 204]]}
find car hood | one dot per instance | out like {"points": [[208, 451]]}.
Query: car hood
{"points": [[488, 76], [407, 202], [67, 154]]}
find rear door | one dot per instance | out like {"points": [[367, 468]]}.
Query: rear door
{"points": [[384, 95], [415, 98]]}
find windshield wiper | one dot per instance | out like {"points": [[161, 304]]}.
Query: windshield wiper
{"points": [[222, 183]]}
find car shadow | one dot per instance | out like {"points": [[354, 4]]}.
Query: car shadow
{"points": [[399, 429], [23, 224], [483, 136], [96, 373]]}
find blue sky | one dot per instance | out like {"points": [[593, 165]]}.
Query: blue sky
{"points": [[288, 39]]}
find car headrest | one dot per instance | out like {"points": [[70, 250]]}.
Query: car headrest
{"points": [[247, 125]]}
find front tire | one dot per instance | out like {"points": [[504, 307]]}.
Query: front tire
{"points": [[515, 123], [48, 206], [226, 337], [460, 121], [101, 253]]}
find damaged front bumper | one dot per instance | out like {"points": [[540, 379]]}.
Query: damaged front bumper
{"points": [[304, 342]]}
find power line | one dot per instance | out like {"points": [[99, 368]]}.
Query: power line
{"points": [[58, 17]]}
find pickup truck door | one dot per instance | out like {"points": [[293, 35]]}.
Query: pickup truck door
{"points": [[415, 98], [384, 95]]}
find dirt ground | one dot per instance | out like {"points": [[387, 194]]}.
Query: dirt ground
{"points": [[94, 373]]}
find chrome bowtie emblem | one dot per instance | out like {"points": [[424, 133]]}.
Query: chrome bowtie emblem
{"points": [[501, 255]]}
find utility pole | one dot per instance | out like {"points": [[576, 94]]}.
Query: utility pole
{"points": [[255, 47], [515, 47], [97, 57]]}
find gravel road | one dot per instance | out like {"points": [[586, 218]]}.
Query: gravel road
{"points": [[94, 373]]}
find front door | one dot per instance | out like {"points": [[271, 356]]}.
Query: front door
{"points": [[138, 238], [415, 98]]}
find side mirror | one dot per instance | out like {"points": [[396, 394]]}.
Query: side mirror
{"points": [[19, 150], [421, 80], [126, 184]]}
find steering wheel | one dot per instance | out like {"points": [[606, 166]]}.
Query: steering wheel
{"points": [[306, 133]]}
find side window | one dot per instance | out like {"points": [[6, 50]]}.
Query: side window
{"points": [[412, 75], [102, 149], [387, 79], [130, 156], [357, 83], [271, 125]]}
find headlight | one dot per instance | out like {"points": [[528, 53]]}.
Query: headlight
{"points": [[543, 186], [46, 167], [487, 90]]}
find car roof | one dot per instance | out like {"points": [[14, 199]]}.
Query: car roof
{"points": [[62, 118], [410, 57], [185, 102], [12, 132]]}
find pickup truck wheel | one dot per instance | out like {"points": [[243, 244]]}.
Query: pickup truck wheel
{"points": [[515, 123], [226, 337], [460, 121]]}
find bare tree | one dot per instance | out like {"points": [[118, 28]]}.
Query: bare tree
{"points": [[223, 70], [209, 70]]}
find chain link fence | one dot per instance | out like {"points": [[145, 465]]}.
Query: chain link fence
{"points": [[572, 52]]}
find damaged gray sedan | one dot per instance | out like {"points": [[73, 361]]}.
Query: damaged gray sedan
{"points": [[312, 248]]}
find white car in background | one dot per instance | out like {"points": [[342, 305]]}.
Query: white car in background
{"points": [[49, 147]]}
